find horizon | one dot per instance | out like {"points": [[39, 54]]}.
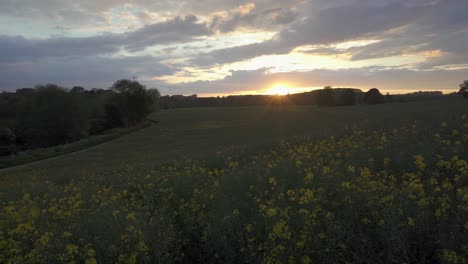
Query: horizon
{"points": [[271, 92], [220, 48]]}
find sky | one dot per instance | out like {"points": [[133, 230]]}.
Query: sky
{"points": [[221, 47]]}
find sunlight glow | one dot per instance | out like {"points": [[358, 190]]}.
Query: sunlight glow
{"points": [[280, 89]]}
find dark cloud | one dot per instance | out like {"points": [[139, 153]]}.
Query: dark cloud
{"points": [[404, 27], [177, 30], [92, 12], [18, 48], [88, 71], [443, 28]]}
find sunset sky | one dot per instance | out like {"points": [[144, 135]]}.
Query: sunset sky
{"points": [[220, 47]]}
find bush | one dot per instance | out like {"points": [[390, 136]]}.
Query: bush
{"points": [[7, 141]]}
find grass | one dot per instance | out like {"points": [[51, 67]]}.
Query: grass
{"points": [[33, 155], [364, 184]]}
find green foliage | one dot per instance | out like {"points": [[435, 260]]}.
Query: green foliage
{"points": [[51, 116], [131, 103]]}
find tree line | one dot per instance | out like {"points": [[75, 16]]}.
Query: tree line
{"points": [[49, 115], [325, 97]]}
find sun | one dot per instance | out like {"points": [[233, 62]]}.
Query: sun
{"points": [[280, 89]]}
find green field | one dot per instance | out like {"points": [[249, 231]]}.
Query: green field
{"points": [[271, 184], [200, 133]]}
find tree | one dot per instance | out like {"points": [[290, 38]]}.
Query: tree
{"points": [[51, 116], [388, 98], [77, 90], [373, 96], [464, 89], [325, 97], [7, 141], [156, 95], [130, 104], [347, 97]]}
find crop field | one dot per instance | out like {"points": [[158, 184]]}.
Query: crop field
{"points": [[272, 184]]}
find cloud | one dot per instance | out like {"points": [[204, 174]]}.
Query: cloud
{"points": [[405, 26], [396, 80], [247, 16], [18, 48], [90, 12], [181, 30], [88, 71], [175, 30]]}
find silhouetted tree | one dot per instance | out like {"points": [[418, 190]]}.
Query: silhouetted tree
{"points": [[154, 92], [156, 95], [25, 91], [464, 89], [325, 97], [77, 89], [347, 97], [130, 104], [388, 98], [373, 96]]}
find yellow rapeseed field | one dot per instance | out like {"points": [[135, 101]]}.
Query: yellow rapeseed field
{"points": [[383, 196]]}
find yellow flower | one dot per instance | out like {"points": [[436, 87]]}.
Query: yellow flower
{"points": [[26, 196], [44, 239], [272, 181], [91, 253], [72, 249], [131, 217], [91, 261], [271, 212], [386, 162], [235, 212], [298, 163], [383, 139], [419, 162], [309, 177], [280, 230], [306, 260]]}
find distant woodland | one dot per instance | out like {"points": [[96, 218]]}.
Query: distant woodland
{"points": [[327, 96], [50, 115]]}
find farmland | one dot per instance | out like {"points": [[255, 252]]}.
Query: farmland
{"points": [[298, 184]]}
